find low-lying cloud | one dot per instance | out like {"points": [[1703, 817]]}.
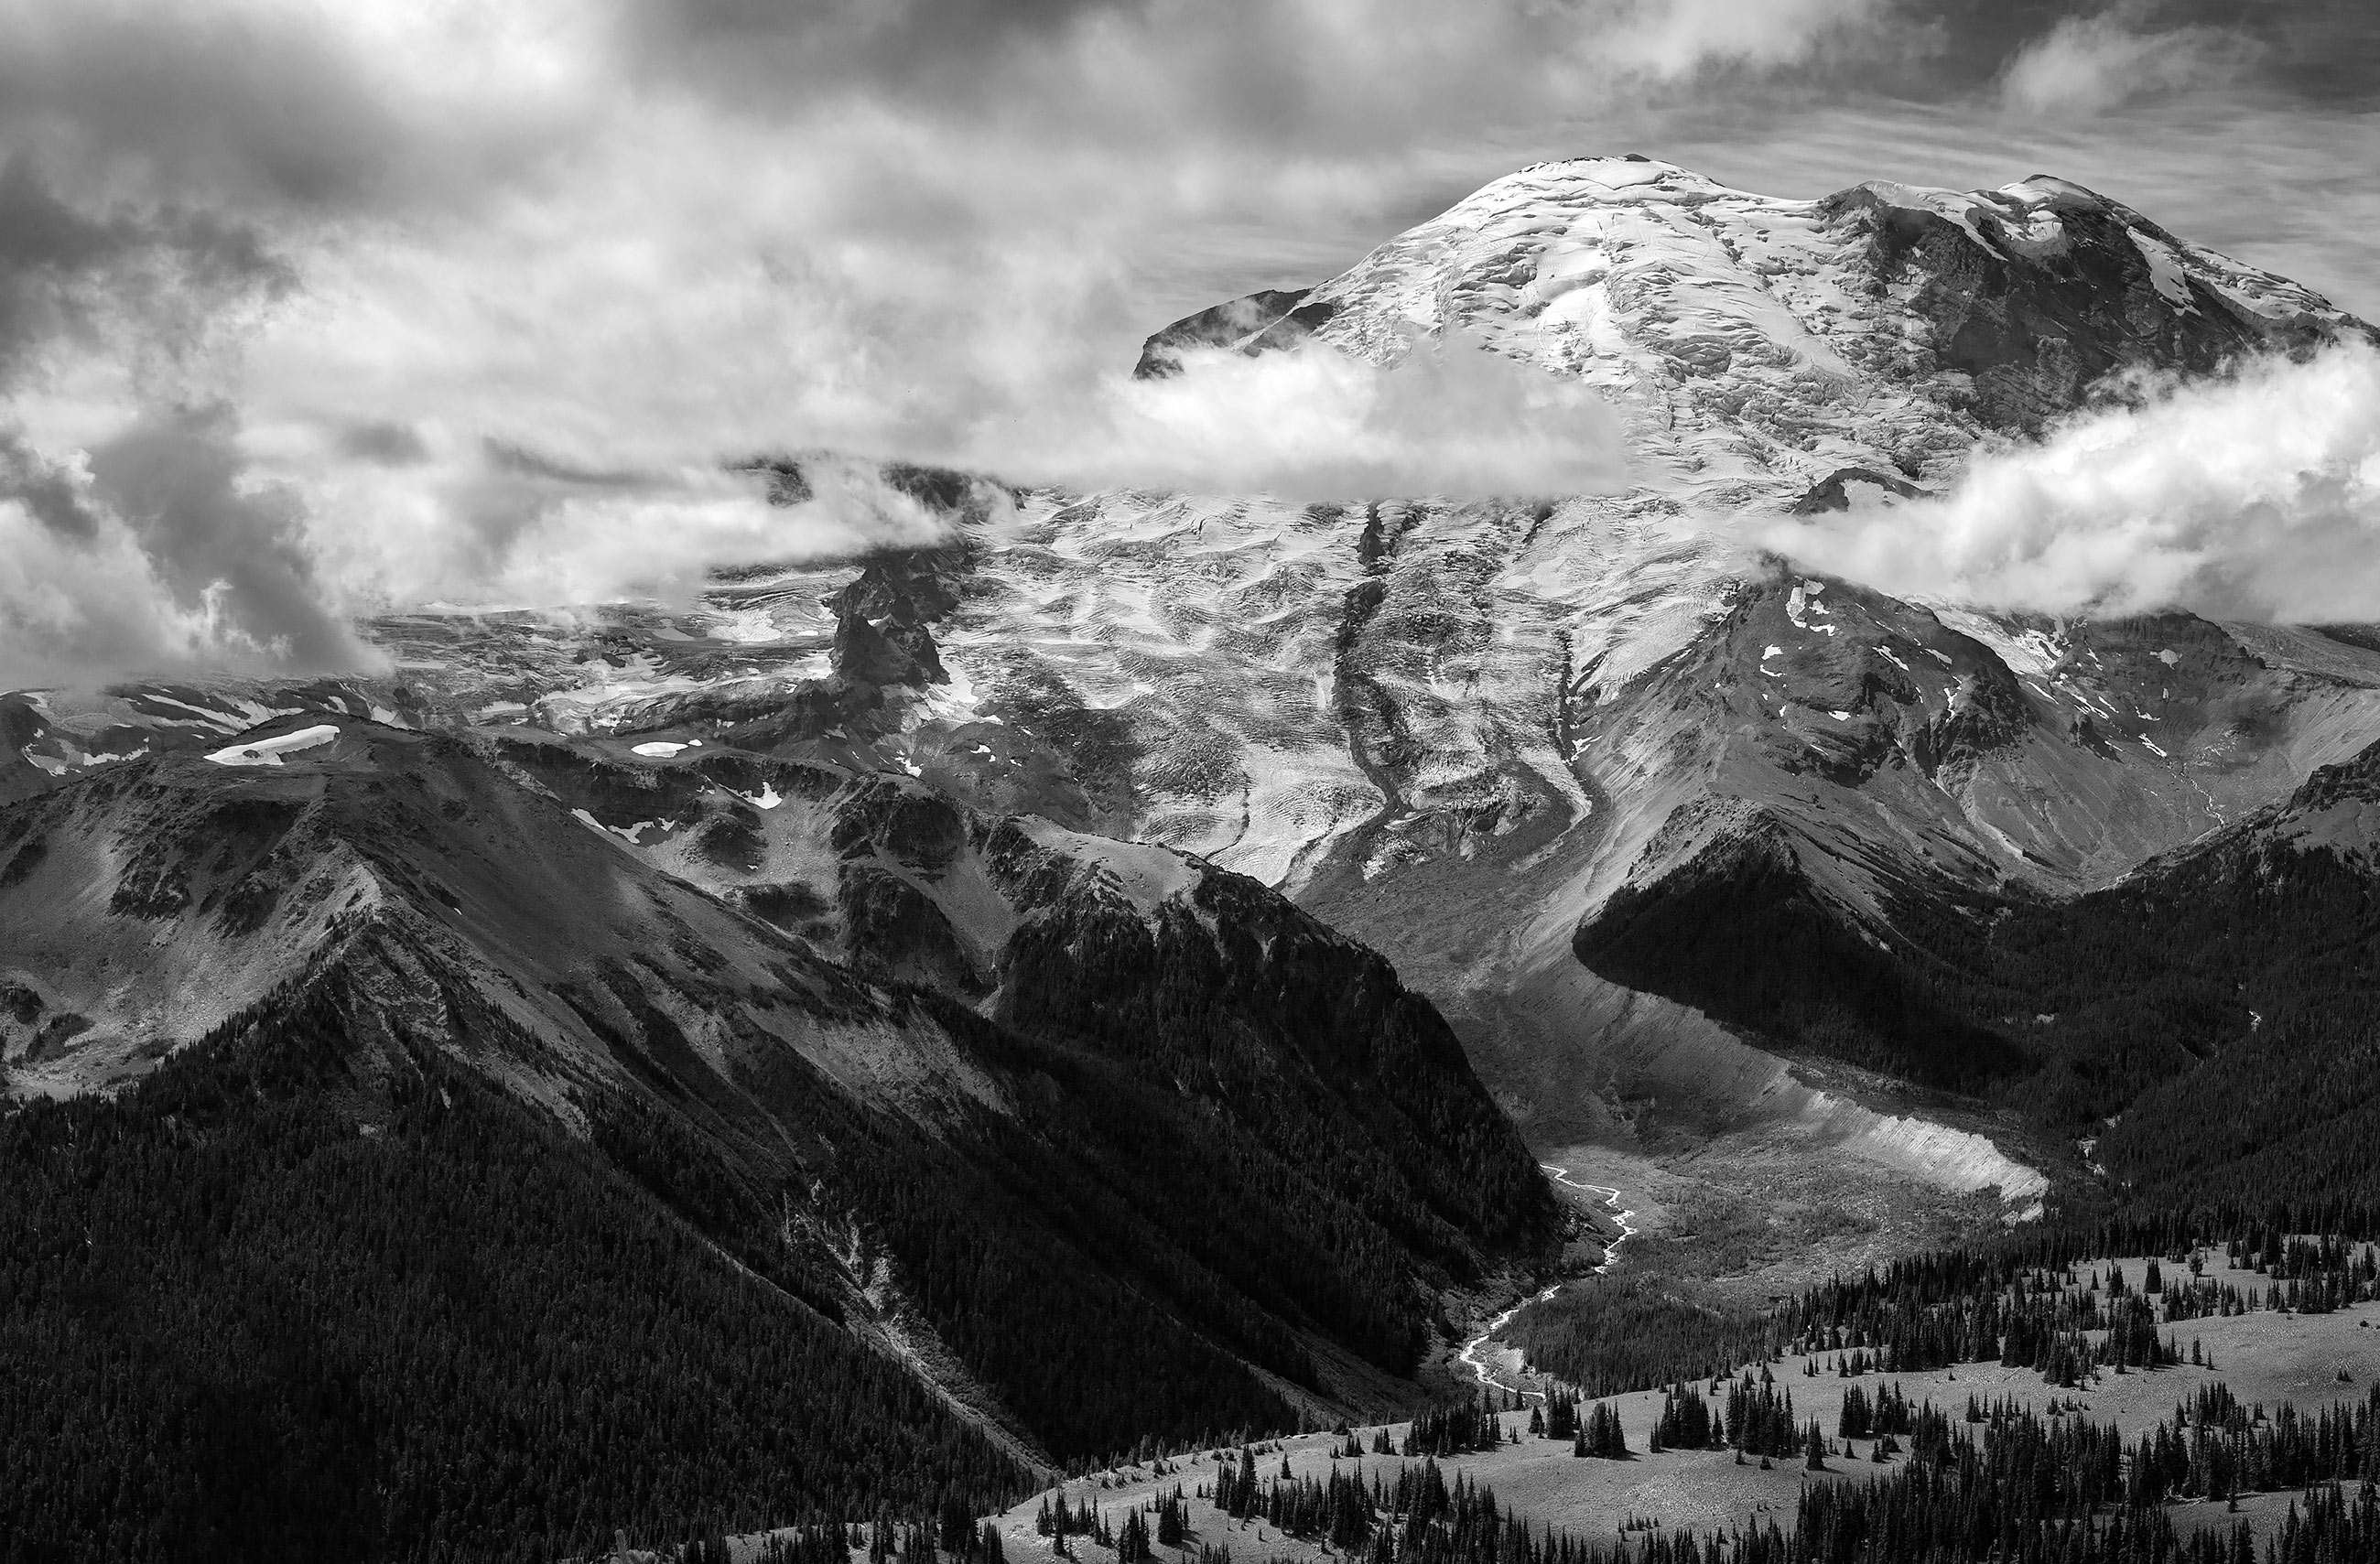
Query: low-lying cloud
{"points": [[2253, 496], [1450, 420], [505, 527]]}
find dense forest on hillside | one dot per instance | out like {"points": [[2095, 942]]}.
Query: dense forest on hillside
{"points": [[2005, 1485], [1308, 1040], [2018, 1300], [1191, 1215], [257, 1308], [278, 1286], [490, 1208], [298, 1286], [1739, 933]]}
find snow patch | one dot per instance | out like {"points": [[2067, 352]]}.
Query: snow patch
{"points": [[2165, 270], [269, 751], [244, 713], [629, 834], [1802, 602]]}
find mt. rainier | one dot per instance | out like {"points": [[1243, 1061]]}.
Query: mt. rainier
{"points": [[1754, 341]]}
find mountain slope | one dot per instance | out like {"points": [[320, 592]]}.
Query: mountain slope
{"points": [[2279, 1098], [1749, 337], [1810, 758], [2204, 1025], [1069, 1247], [290, 1299]]}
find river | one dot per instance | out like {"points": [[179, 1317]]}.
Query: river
{"points": [[1469, 1356]]}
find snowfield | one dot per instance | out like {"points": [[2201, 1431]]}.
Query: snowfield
{"points": [[269, 751]]}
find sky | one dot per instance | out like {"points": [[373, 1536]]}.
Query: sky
{"points": [[310, 309]]}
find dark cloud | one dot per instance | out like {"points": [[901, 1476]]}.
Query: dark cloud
{"points": [[1295, 78], [48, 492], [764, 47], [38, 231], [253, 107], [177, 481], [519, 461], [145, 284], [2323, 53], [63, 269], [384, 444], [898, 31], [227, 100], [1413, 72]]}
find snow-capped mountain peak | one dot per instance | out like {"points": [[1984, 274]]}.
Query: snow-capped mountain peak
{"points": [[1756, 342]]}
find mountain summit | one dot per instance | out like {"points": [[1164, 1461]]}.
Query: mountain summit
{"points": [[1753, 339]]}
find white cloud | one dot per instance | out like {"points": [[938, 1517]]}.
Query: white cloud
{"points": [[2090, 64], [1450, 420], [702, 290], [1683, 36], [462, 528], [2252, 496]]}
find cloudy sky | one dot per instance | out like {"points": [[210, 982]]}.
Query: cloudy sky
{"points": [[312, 307]]}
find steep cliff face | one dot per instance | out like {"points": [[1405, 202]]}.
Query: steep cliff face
{"points": [[1306, 1039]]}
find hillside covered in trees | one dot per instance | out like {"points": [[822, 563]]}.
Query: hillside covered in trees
{"points": [[535, 1194], [2219, 1004]]}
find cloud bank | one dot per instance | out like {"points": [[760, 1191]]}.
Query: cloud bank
{"points": [[2256, 496], [307, 311], [1450, 420]]}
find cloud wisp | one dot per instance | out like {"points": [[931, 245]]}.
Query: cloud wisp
{"points": [[2254, 496], [1450, 420], [2088, 65]]}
